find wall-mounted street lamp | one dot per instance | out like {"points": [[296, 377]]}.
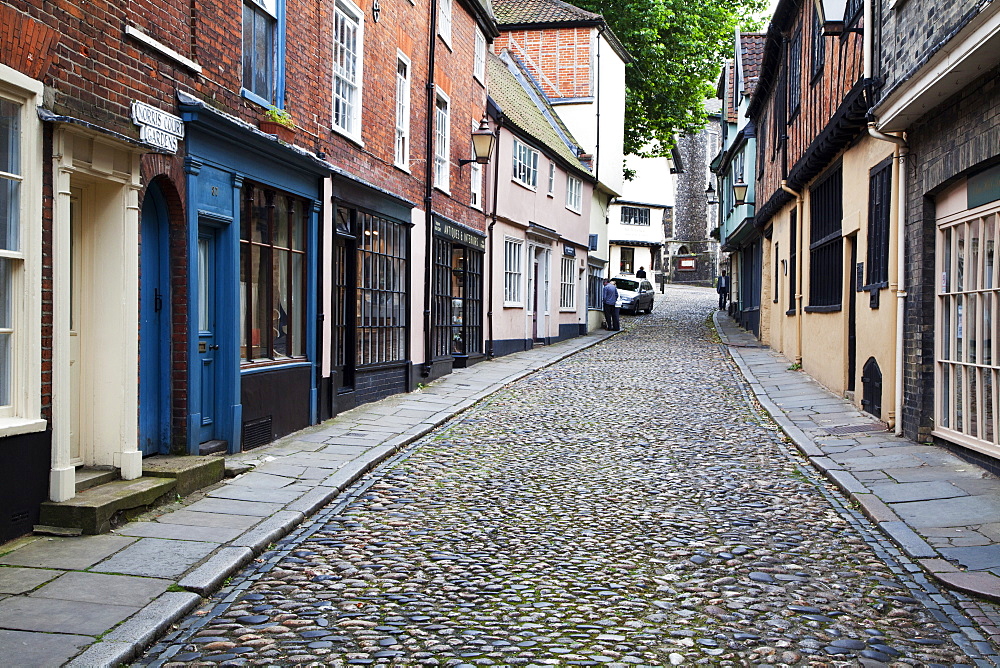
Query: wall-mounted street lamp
{"points": [[482, 144], [740, 193], [710, 194]]}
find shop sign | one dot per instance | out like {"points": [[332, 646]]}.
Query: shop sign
{"points": [[443, 228], [984, 187], [157, 127], [569, 251]]}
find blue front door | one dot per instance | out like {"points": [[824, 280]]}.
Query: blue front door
{"points": [[208, 345], [154, 327]]}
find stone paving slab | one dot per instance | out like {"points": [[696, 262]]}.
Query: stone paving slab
{"points": [[23, 580], [67, 553], [47, 615], [179, 532], [916, 491], [158, 558], [199, 519], [103, 588], [40, 649]]}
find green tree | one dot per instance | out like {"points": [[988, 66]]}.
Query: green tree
{"points": [[678, 47]]}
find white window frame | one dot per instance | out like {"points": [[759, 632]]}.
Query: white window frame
{"points": [[525, 165], [567, 284], [402, 136], [444, 20], [442, 141], [574, 194], [479, 63], [351, 77], [966, 327], [22, 414], [552, 178], [513, 271]]}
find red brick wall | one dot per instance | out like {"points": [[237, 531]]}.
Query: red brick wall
{"points": [[558, 57]]}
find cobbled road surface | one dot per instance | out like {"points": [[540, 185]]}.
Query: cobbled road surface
{"points": [[628, 506]]}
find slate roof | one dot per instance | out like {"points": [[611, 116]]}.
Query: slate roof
{"points": [[753, 55], [525, 106], [519, 12]]}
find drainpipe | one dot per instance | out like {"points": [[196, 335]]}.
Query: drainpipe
{"points": [[899, 187], [799, 205], [429, 195], [491, 241]]}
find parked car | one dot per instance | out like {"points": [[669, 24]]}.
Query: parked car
{"points": [[636, 294]]}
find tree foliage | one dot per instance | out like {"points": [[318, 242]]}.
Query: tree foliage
{"points": [[678, 47]]}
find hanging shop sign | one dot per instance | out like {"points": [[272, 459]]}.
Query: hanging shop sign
{"points": [[157, 127]]}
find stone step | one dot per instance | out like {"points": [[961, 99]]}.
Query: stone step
{"points": [[87, 477], [96, 510], [192, 472]]}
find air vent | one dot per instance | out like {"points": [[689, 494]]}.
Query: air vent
{"points": [[257, 433], [20, 517]]}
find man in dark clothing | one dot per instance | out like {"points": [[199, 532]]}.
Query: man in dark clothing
{"points": [[641, 273], [723, 289], [610, 294]]}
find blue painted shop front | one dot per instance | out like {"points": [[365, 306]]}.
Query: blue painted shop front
{"points": [[253, 210]]}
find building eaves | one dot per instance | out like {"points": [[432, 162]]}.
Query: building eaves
{"points": [[485, 17], [533, 12]]}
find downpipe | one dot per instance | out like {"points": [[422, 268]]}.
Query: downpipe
{"points": [[799, 205], [899, 187]]}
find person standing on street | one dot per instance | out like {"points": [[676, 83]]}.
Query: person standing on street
{"points": [[610, 305], [641, 273], [722, 287]]}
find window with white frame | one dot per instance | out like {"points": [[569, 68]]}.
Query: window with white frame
{"points": [[441, 142], [20, 250], [444, 20], [479, 67], [966, 370], [513, 260], [552, 177], [402, 158], [567, 283], [525, 164], [635, 215], [347, 60], [574, 193], [260, 41]]}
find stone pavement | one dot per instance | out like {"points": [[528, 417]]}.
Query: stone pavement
{"points": [[102, 599], [942, 511]]}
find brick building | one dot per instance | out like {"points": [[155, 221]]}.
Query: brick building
{"points": [[936, 88], [194, 280]]}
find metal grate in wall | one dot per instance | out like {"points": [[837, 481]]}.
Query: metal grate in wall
{"points": [[257, 433]]}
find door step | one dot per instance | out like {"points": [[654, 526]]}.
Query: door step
{"points": [[105, 502]]}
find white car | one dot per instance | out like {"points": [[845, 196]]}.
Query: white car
{"points": [[636, 293]]}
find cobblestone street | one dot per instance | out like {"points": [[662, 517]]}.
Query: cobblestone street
{"points": [[627, 506]]}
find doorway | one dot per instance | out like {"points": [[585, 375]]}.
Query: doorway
{"points": [[154, 326], [208, 339]]}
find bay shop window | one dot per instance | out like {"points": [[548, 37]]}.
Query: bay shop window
{"points": [[967, 372], [273, 228]]}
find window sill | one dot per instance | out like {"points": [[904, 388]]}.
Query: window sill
{"points": [[16, 426], [524, 185], [442, 189], [512, 305], [402, 168], [355, 138], [832, 308], [572, 210], [790, 311], [253, 97]]}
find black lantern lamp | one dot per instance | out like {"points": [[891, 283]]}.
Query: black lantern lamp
{"points": [[482, 144], [710, 194]]}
